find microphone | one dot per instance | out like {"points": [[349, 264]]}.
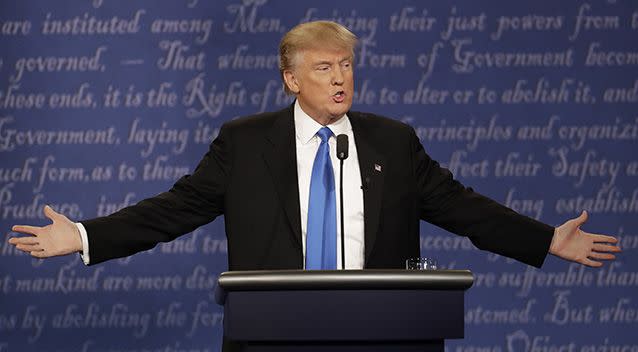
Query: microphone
{"points": [[342, 154], [342, 147]]}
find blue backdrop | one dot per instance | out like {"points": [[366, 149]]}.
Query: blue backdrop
{"points": [[104, 103]]}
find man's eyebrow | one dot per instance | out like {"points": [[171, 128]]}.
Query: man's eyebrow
{"points": [[329, 62]]}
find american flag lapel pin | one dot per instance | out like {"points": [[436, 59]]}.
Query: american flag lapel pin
{"points": [[377, 167]]}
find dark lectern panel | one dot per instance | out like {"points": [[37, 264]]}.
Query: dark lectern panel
{"points": [[344, 315]]}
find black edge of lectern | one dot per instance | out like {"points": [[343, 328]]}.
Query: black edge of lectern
{"points": [[341, 280]]}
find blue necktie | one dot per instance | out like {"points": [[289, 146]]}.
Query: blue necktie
{"points": [[321, 234]]}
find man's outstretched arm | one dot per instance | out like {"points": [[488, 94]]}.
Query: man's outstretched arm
{"points": [[194, 200], [493, 227]]}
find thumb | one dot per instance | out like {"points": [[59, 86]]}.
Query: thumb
{"points": [[50, 213], [582, 218]]}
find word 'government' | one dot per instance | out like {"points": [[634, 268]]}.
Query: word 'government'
{"points": [[10, 138]]}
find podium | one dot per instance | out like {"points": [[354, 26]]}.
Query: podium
{"points": [[343, 310]]}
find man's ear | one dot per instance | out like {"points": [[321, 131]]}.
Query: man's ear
{"points": [[291, 81]]}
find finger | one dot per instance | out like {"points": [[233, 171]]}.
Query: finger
{"points": [[605, 248], [29, 247], [604, 239], [32, 230], [22, 248], [586, 261], [604, 256], [24, 240]]}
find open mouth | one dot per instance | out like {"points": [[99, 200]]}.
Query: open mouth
{"points": [[339, 96]]}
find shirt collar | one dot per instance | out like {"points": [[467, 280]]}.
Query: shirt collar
{"points": [[306, 127]]}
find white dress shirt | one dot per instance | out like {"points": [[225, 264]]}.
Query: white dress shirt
{"points": [[307, 144]]}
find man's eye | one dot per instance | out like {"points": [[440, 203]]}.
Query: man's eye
{"points": [[323, 68]]}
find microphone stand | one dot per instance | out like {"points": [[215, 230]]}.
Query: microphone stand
{"points": [[342, 154], [343, 235]]}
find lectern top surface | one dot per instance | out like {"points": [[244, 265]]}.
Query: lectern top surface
{"points": [[343, 280]]}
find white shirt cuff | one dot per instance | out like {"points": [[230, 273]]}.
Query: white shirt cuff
{"points": [[85, 243]]}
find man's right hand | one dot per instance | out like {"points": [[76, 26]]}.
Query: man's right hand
{"points": [[58, 238]]}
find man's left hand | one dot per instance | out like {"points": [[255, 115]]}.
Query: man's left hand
{"points": [[572, 243]]}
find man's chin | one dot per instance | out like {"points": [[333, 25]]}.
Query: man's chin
{"points": [[334, 117], [340, 110]]}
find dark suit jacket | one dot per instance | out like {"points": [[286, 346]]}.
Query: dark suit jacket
{"points": [[250, 176]]}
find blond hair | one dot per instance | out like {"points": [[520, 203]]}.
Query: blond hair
{"points": [[312, 35]]}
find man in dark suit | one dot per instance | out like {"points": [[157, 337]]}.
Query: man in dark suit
{"points": [[259, 170], [260, 174]]}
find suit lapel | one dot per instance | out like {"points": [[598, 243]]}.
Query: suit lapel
{"points": [[281, 158], [371, 165]]}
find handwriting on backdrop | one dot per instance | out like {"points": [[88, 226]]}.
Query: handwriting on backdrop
{"points": [[157, 103]]}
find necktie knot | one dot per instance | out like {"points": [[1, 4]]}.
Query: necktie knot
{"points": [[324, 134]]}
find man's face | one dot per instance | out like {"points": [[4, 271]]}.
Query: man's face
{"points": [[323, 82]]}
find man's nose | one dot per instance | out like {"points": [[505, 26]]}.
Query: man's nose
{"points": [[337, 77]]}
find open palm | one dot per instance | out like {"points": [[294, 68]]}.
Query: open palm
{"points": [[574, 244], [61, 237]]}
